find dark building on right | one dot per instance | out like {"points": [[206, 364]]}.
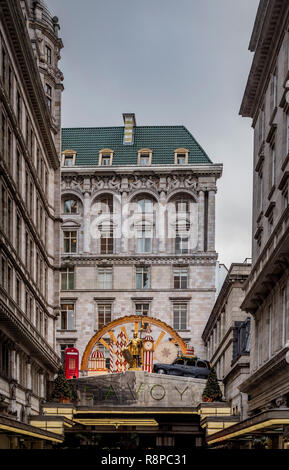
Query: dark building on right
{"points": [[266, 102]]}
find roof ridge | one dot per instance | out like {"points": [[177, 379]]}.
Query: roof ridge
{"points": [[121, 127]]}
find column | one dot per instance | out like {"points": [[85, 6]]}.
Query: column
{"points": [[211, 220], [201, 220], [161, 223], [124, 223], [13, 364], [29, 380], [42, 385], [86, 222]]}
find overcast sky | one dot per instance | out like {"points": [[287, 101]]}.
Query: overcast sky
{"points": [[170, 62]]}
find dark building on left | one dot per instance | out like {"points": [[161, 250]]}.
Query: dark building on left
{"points": [[30, 139]]}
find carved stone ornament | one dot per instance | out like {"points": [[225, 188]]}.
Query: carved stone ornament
{"points": [[131, 183]]}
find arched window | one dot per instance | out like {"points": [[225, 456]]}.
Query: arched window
{"points": [[70, 206]]}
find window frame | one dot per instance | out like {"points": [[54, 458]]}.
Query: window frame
{"points": [[142, 273], [147, 152], [181, 151], [177, 323], [105, 153]]}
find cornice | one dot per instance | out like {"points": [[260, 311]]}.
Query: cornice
{"points": [[208, 259], [270, 34], [214, 169], [17, 33]]}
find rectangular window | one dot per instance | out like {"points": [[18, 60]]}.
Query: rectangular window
{"points": [[3, 133], [3, 208], [142, 277], [104, 314], [18, 169], [70, 242], [67, 278], [144, 159], [106, 239], [31, 258], [18, 234], [9, 280], [68, 160], [48, 95], [9, 148], [3, 272], [181, 159], [273, 164], [10, 78], [48, 54], [4, 359], [3, 65], [142, 309], [62, 351], [180, 316], [105, 160], [104, 278], [18, 106], [181, 244], [180, 278], [18, 292], [67, 317], [9, 218], [45, 328], [144, 240]]}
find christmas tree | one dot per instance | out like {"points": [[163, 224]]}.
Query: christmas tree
{"points": [[61, 388], [212, 391]]}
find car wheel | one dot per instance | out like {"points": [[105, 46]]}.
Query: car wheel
{"points": [[161, 371]]}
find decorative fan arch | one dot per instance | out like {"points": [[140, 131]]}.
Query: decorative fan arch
{"points": [[135, 319]]}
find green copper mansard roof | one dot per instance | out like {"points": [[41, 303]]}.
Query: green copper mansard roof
{"points": [[162, 140]]}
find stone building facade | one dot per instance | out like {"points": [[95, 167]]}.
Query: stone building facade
{"points": [[30, 96], [155, 269], [266, 102], [227, 337]]}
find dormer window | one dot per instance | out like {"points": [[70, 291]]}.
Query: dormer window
{"points": [[68, 158], [181, 156], [105, 157], [145, 157]]}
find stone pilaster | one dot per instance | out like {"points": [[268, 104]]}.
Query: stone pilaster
{"points": [[86, 222], [211, 220], [201, 220]]}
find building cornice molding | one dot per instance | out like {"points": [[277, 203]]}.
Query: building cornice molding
{"points": [[214, 169], [17, 33], [267, 43], [208, 259]]}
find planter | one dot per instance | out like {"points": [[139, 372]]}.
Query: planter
{"points": [[64, 400], [207, 400]]}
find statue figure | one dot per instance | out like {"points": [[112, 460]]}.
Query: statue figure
{"points": [[134, 348]]}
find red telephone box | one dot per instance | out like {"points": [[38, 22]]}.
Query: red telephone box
{"points": [[71, 363]]}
